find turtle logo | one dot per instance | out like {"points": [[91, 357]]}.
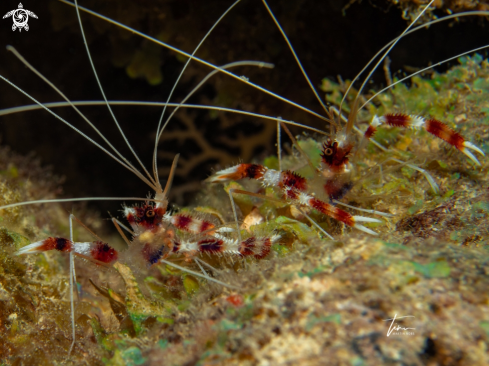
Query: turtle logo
{"points": [[20, 17]]}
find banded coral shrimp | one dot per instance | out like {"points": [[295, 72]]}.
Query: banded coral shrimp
{"points": [[101, 252], [337, 151], [148, 220], [333, 52]]}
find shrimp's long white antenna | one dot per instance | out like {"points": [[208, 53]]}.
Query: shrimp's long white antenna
{"points": [[423, 26], [81, 199], [142, 177], [72, 273], [197, 274], [35, 71], [297, 59], [154, 104], [420, 72], [233, 206], [105, 98], [256, 86], [453, 16], [353, 113], [204, 80], [155, 167]]}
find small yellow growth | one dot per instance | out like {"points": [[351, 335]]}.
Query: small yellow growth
{"points": [[404, 143], [191, 284], [138, 307], [252, 219]]}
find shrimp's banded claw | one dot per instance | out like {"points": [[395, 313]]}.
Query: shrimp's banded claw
{"points": [[237, 172], [269, 177], [60, 244], [294, 189], [338, 214], [188, 223], [258, 247], [96, 251], [433, 126]]}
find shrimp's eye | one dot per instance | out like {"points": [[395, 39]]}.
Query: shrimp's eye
{"points": [[150, 213], [328, 151]]}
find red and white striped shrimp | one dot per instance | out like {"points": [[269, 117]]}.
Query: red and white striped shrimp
{"points": [[337, 152], [154, 228], [431, 125]]}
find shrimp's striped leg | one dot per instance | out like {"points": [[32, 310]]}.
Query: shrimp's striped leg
{"points": [[268, 177], [433, 126], [332, 211], [189, 223], [258, 247], [294, 189], [97, 251]]}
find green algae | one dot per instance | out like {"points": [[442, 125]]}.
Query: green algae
{"points": [[438, 269], [190, 284], [416, 207], [138, 306], [133, 357], [313, 320]]}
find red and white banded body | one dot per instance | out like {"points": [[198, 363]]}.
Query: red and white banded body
{"points": [[432, 125], [97, 251], [294, 188], [336, 168]]}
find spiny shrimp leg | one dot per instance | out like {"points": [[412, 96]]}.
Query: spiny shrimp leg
{"points": [[432, 125], [374, 212], [97, 251], [268, 198], [294, 188], [427, 175], [72, 279], [189, 223]]}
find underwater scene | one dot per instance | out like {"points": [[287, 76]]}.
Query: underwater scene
{"points": [[244, 182]]}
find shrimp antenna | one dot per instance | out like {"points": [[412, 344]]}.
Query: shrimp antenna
{"points": [[420, 72], [423, 26], [155, 167], [298, 61], [154, 104], [170, 176], [204, 80], [46, 80], [130, 168], [154, 183], [208, 64], [354, 109], [80, 199]]}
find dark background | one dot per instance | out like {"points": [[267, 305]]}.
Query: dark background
{"points": [[329, 40]]}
